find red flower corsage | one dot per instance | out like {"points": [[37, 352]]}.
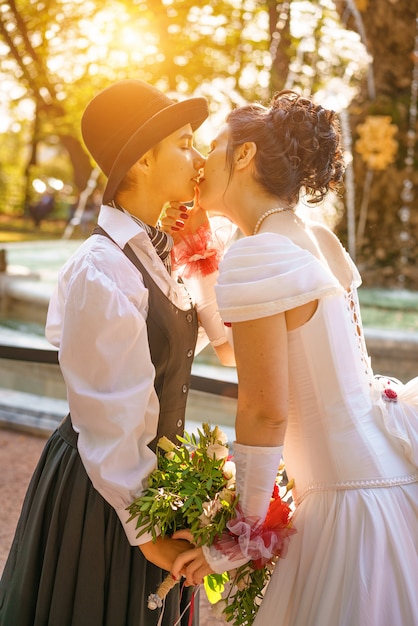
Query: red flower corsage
{"points": [[197, 254], [389, 395]]}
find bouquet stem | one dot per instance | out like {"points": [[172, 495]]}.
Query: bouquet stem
{"points": [[155, 600]]}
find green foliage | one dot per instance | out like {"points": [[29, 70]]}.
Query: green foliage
{"points": [[246, 594], [192, 487], [215, 586], [187, 478]]}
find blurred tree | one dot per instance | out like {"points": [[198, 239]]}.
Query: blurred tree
{"points": [[11, 189], [61, 52], [56, 54], [27, 30], [385, 110], [281, 48]]}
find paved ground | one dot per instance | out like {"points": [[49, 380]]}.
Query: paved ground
{"points": [[18, 456]]}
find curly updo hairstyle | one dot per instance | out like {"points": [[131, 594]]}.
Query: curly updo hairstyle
{"points": [[298, 146]]}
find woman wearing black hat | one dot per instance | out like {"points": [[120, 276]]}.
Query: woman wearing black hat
{"points": [[126, 333]]}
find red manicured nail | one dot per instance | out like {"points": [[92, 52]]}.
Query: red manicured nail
{"points": [[174, 228], [178, 223], [184, 216]]}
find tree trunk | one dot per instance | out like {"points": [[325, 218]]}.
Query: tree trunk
{"points": [[32, 161], [280, 43], [386, 193], [79, 160]]}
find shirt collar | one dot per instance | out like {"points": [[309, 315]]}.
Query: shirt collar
{"points": [[119, 225]]}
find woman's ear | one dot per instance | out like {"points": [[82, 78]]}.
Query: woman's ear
{"points": [[245, 154], [144, 163]]}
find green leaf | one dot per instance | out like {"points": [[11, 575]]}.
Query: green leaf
{"points": [[214, 587]]}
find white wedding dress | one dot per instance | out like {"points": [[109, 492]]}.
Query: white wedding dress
{"points": [[351, 448]]}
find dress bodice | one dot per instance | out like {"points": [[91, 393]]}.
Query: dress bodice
{"points": [[334, 416], [336, 412]]}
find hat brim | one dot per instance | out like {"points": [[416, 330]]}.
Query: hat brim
{"points": [[193, 111]]}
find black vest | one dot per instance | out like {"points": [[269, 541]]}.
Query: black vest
{"points": [[172, 336]]}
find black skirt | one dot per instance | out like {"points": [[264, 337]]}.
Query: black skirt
{"points": [[70, 563]]}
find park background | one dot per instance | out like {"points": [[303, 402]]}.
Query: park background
{"points": [[358, 57]]}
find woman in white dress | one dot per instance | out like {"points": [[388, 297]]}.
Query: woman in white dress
{"points": [[289, 291]]}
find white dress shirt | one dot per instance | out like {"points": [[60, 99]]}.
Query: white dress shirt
{"points": [[97, 319]]}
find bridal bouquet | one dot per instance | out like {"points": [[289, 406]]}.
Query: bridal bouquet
{"points": [[193, 487]]}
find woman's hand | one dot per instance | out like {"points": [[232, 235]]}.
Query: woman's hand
{"points": [[174, 220], [180, 221], [164, 551], [191, 564]]}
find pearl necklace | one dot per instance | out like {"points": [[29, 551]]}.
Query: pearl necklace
{"points": [[267, 214]]}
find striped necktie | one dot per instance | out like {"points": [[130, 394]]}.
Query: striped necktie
{"points": [[162, 242]]}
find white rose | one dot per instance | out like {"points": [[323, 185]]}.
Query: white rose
{"points": [[219, 436], [229, 470], [217, 451]]}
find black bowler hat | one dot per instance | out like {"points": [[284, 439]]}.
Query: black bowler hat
{"points": [[127, 119]]}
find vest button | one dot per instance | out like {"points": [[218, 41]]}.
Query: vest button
{"points": [[179, 423], [184, 388], [189, 317], [189, 352]]}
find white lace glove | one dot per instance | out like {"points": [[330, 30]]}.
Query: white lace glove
{"points": [[256, 471]]}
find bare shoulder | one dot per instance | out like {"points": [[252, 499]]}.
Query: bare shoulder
{"points": [[333, 251], [324, 233], [326, 240]]}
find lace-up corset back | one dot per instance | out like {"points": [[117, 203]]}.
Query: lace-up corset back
{"points": [[331, 403], [353, 307]]}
